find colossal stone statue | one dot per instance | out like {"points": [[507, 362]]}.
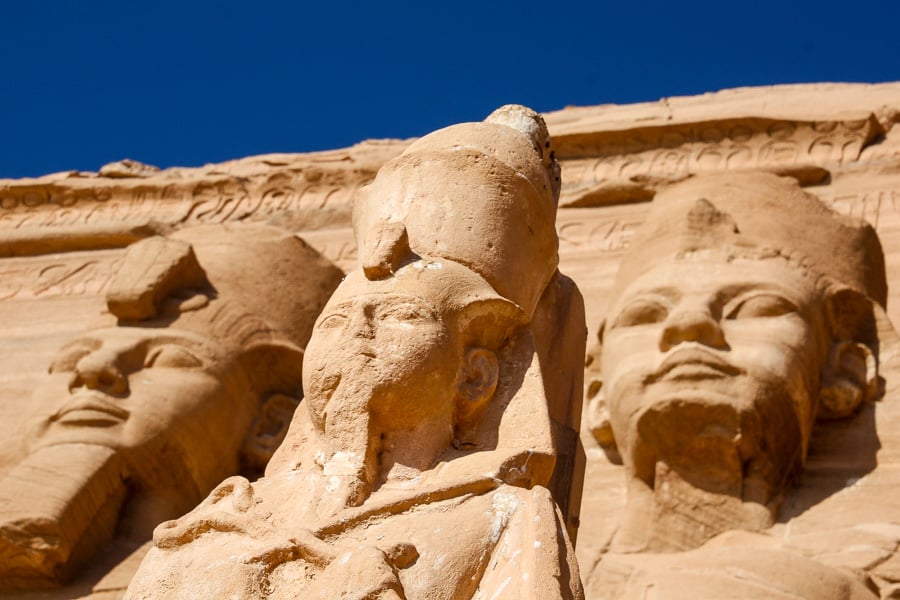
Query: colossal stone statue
{"points": [[198, 380], [744, 312], [420, 466]]}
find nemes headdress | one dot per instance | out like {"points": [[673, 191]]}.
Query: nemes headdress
{"points": [[758, 215], [263, 273]]}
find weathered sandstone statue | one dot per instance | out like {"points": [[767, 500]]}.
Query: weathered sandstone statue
{"points": [[745, 312], [420, 466], [136, 422]]}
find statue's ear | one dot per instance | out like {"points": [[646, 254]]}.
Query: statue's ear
{"points": [[597, 413], [850, 377], [268, 431], [476, 384]]}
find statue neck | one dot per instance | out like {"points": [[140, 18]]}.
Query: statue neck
{"points": [[675, 515]]}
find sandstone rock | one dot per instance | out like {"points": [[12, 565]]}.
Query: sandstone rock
{"points": [[420, 463], [62, 237], [127, 168], [196, 380]]}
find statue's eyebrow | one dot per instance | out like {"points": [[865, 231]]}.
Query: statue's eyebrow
{"points": [[730, 292], [379, 298], [667, 292], [178, 339], [342, 306], [87, 342], [405, 300]]}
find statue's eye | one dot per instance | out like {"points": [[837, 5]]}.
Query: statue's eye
{"points": [[402, 314], [641, 312], [67, 360], [170, 356], [333, 321], [760, 306]]}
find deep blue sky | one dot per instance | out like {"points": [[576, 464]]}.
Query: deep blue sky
{"points": [[84, 82]]}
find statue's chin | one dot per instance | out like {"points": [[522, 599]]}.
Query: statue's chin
{"points": [[713, 446], [696, 476], [702, 462]]}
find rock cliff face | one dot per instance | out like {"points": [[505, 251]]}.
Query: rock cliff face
{"points": [[63, 236]]}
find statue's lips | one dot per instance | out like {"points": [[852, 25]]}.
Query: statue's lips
{"points": [[91, 409], [692, 364]]}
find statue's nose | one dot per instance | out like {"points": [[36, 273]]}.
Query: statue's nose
{"points": [[692, 324], [362, 323], [100, 370]]}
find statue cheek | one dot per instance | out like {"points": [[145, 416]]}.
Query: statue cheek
{"points": [[322, 384], [319, 386]]}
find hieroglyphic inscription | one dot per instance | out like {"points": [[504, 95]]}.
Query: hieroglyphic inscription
{"points": [[73, 274], [221, 200], [337, 245], [680, 150], [605, 236], [581, 231], [597, 230], [871, 205]]}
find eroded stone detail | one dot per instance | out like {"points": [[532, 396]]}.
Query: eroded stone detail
{"points": [[420, 466], [63, 236], [745, 312], [136, 421]]}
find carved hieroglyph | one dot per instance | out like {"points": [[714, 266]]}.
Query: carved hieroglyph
{"points": [[195, 378], [419, 467]]}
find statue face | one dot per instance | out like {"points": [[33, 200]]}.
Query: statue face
{"points": [[382, 364], [129, 388], [712, 366]]}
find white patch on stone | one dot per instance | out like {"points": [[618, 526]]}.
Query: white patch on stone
{"points": [[500, 588], [502, 507], [343, 463]]}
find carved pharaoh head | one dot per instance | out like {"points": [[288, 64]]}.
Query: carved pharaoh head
{"points": [[742, 313], [457, 244], [399, 370], [201, 373]]}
